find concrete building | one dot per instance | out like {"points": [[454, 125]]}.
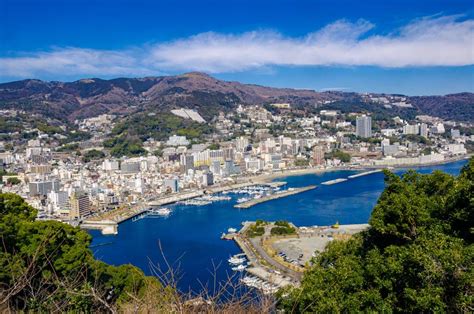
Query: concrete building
{"points": [[318, 155], [411, 129], [207, 179], [110, 165], [424, 130], [455, 133], [59, 201], [187, 163], [171, 185], [80, 205], [130, 167], [176, 140], [42, 188], [364, 126], [389, 150]]}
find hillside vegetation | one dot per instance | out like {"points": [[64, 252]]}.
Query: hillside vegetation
{"points": [[417, 257], [126, 96]]}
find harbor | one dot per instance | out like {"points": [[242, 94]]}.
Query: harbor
{"points": [[276, 195], [108, 222], [191, 235]]}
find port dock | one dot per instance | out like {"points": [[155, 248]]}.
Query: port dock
{"points": [[274, 196]]}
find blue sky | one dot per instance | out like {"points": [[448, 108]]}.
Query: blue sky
{"points": [[409, 47]]}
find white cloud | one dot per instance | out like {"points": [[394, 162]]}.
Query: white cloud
{"points": [[431, 41]]}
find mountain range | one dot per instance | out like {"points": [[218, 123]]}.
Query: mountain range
{"points": [[90, 97]]}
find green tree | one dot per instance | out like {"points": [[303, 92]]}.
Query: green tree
{"points": [[416, 257], [13, 181], [47, 266]]}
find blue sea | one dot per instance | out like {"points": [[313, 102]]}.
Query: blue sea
{"points": [[189, 239]]}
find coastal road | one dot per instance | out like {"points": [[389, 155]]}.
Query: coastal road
{"points": [[284, 270]]}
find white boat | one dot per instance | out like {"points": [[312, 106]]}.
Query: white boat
{"points": [[232, 230], [164, 211], [236, 260], [241, 267], [243, 199]]}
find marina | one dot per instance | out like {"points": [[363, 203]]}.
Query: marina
{"points": [[291, 191]]}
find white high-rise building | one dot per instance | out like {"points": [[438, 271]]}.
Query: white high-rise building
{"points": [[364, 126], [411, 129], [424, 130]]}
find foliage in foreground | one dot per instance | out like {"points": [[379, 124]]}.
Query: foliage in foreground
{"points": [[416, 257], [47, 266]]}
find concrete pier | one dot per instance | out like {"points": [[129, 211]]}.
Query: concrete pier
{"points": [[335, 181], [106, 226], [364, 174], [274, 196]]}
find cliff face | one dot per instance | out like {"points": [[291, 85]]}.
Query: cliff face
{"points": [[91, 97]]}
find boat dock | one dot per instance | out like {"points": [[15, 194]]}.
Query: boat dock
{"points": [[335, 181], [175, 198], [364, 174], [274, 196], [220, 189]]}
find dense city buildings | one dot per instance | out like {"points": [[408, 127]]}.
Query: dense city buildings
{"points": [[72, 180]]}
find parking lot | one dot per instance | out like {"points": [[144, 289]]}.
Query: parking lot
{"points": [[299, 250]]}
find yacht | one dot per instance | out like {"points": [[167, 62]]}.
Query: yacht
{"points": [[240, 267], [160, 211], [243, 199], [236, 260]]}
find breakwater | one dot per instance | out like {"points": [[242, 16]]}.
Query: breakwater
{"points": [[331, 182], [274, 196], [366, 173]]}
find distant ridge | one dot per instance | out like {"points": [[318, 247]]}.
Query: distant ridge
{"points": [[194, 90]]}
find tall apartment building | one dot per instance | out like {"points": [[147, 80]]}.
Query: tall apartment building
{"points": [[411, 129], [42, 188], [318, 155], [364, 126], [80, 205], [424, 130]]}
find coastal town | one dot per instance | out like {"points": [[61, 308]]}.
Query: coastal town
{"points": [[86, 179]]}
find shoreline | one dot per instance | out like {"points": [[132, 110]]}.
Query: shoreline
{"points": [[305, 171], [255, 180]]}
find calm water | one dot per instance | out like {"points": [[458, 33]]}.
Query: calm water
{"points": [[190, 236]]}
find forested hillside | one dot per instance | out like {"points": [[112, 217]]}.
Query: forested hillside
{"points": [[417, 257]]}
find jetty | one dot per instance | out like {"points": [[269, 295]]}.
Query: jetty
{"points": [[364, 174], [106, 226], [335, 181], [274, 196]]}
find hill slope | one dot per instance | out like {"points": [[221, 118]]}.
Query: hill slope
{"points": [[91, 97]]}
